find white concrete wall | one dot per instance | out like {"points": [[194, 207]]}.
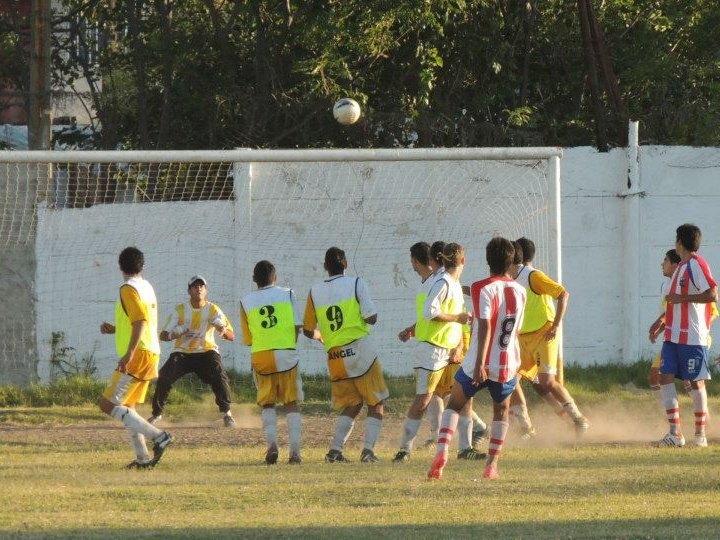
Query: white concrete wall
{"points": [[280, 221]]}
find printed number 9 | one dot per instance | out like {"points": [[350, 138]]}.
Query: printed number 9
{"points": [[270, 319], [335, 316], [506, 330]]}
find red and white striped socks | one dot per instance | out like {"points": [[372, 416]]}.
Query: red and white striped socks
{"points": [[672, 407], [699, 398], [498, 431], [448, 425]]}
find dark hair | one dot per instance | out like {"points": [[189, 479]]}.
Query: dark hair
{"points": [[689, 236], [452, 254], [518, 257], [499, 253], [436, 251], [263, 273], [335, 261], [672, 256], [528, 249], [131, 260], [420, 251]]}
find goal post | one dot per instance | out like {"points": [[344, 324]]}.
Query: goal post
{"points": [[216, 213]]}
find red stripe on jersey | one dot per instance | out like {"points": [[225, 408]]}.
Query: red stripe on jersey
{"points": [[510, 301], [684, 308], [669, 309], [706, 270], [493, 324], [503, 368]]}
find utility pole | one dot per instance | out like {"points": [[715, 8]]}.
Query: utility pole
{"points": [[39, 123]]}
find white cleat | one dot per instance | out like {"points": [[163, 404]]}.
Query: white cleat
{"points": [[701, 441], [670, 440]]}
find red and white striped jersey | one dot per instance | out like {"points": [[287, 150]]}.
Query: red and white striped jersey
{"points": [[689, 323], [501, 302]]}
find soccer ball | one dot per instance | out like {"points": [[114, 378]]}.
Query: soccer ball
{"points": [[346, 111]]}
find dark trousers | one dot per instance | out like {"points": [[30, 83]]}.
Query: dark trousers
{"points": [[206, 365]]}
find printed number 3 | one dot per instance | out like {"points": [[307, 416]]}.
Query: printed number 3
{"points": [[506, 331], [335, 316], [270, 319]]}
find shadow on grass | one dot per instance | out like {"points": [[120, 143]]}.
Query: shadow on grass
{"points": [[634, 528]]}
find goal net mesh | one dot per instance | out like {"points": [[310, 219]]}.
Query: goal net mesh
{"points": [[218, 219]]}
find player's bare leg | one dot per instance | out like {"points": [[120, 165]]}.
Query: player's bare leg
{"points": [[548, 384], [498, 431], [456, 404], [434, 414], [699, 397], [654, 383], [518, 408]]}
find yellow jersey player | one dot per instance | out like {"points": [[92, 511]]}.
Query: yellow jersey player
{"points": [[192, 327], [338, 313], [136, 343], [538, 341], [439, 341], [270, 324]]}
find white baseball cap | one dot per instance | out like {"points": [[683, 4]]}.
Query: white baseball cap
{"points": [[197, 278]]}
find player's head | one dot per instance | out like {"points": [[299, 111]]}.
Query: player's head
{"points": [[436, 251], [131, 261], [528, 249], [499, 253], [264, 274], [197, 288], [335, 261], [420, 254], [453, 256], [688, 237], [670, 262], [518, 257]]}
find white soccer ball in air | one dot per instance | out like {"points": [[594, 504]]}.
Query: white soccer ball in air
{"points": [[346, 111]]}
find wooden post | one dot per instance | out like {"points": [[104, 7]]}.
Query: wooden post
{"points": [[39, 122]]}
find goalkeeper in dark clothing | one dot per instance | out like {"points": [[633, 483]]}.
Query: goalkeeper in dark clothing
{"points": [[192, 326]]}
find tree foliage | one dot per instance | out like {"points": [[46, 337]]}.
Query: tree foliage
{"points": [[265, 73]]}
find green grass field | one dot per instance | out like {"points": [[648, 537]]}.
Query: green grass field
{"points": [[62, 475]]}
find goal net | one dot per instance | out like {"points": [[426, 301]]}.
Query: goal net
{"points": [[66, 216]]}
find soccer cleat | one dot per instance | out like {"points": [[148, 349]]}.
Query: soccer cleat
{"points": [[403, 456], [477, 435], [581, 425], [368, 456], [429, 444], [491, 472], [271, 456], [670, 440], [527, 433], [335, 456], [229, 421], [701, 441], [436, 469], [160, 445], [140, 465], [154, 419], [295, 459], [471, 454]]}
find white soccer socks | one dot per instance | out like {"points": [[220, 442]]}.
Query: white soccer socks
{"points": [[498, 431], [137, 440], [699, 398], [294, 424], [520, 413], [410, 429], [434, 414], [448, 426], [134, 422], [342, 432], [464, 430], [269, 422], [477, 422], [372, 431], [572, 409], [672, 408]]}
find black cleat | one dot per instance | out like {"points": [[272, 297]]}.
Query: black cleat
{"points": [[160, 445], [403, 456], [229, 421], [271, 456], [368, 456], [471, 454], [478, 435], [295, 459], [140, 465], [335, 456]]}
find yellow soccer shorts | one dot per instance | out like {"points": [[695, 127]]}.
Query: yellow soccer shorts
{"points": [[284, 387], [427, 381], [538, 355], [368, 388], [447, 380], [656, 362], [126, 390]]}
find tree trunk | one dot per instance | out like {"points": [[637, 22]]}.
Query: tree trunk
{"points": [[592, 76]]}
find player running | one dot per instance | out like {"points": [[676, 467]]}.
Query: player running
{"points": [[493, 358], [137, 345], [687, 319], [270, 324], [192, 327], [539, 343], [338, 313]]}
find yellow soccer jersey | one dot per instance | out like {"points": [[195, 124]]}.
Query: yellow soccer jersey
{"points": [[197, 326]]}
